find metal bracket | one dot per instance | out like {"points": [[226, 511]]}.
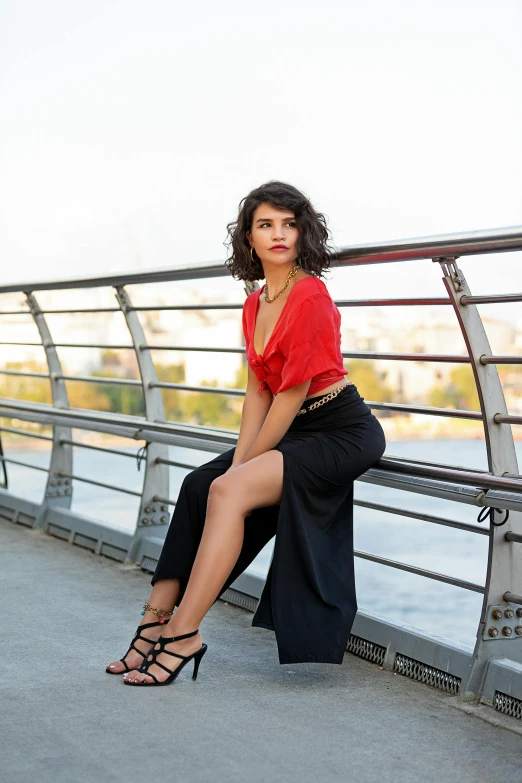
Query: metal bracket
{"points": [[154, 514], [451, 270], [57, 485], [503, 622]]}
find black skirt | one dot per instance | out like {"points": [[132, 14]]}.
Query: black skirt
{"points": [[309, 598]]}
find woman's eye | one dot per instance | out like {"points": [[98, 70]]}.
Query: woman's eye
{"points": [[289, 223]]}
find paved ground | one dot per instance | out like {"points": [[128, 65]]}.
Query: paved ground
{"points": [[246, 718]]}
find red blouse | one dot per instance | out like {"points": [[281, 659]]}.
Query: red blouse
{"points": [[305, 343]]}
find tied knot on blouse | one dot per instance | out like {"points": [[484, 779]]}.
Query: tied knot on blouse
{"points": [[305, 343], [261, 370]]}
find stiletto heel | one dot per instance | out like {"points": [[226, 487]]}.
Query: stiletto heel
{"points": [[132, 646], [151, 660], [197, 660]]}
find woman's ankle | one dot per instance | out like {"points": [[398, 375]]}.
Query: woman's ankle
{"points": [[147, 616]]}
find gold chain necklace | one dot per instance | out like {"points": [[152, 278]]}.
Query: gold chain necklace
{"points": [[292, 272]]}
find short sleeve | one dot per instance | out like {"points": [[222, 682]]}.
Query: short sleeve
{"points": [[244, 323], [311, 341]]}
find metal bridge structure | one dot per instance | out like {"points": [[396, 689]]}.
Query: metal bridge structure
{"points": [[491, 672]]}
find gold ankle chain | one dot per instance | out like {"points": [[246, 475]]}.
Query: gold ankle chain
{"points": [[160, 613]]}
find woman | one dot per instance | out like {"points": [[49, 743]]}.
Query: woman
{"points": [[305, 436]]}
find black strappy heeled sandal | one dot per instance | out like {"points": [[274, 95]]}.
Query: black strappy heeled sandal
{"points": [[162, 641], [132, 646]]}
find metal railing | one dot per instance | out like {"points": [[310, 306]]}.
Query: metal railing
{"points": [[498, 487]]}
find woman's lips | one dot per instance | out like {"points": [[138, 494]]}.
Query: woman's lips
{"points": [[278, 249]]}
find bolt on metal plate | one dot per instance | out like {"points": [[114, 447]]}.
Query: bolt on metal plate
{"points": [[503, 622]]}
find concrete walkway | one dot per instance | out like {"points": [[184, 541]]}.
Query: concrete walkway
{"points": [[246, 718]]}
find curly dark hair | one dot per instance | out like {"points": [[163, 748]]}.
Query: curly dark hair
{"points": [[314, 255]]}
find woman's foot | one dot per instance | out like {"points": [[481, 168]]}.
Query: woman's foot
{"points": [[132, 658], [183, 647]]}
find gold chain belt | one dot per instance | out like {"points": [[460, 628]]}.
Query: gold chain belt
{"points": [[326, 398]]}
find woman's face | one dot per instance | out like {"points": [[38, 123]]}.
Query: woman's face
{"points": [[271, 228]]}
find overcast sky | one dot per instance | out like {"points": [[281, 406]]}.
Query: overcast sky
{"points": [[130, 131]]}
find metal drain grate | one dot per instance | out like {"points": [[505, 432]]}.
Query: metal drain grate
{"points": [[114, 552], [6, 512], [148, 564], [86, 542], [25, 519], [59, 532], [421, 672], [240, 599], [365, 649], [509, 705]]}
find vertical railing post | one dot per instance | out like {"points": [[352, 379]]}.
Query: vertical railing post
{"points": [[504, 571], [156, 479], [58, 492]]}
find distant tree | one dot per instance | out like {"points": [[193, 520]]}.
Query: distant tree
{"points": [[370, 383], [20, 387], [461, 392]]}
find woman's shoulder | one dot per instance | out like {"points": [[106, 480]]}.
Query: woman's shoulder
{"points": [[309, 286]]}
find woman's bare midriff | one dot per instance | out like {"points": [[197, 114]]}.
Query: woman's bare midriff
{"points": [[328, 389]]}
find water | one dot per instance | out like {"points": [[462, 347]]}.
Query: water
{"points": [[429, 605]]}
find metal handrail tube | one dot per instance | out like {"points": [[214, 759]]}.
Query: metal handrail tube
{"points": [[403, 512], [500, 359], [407, 357], [26, 374], [494, 240], [32, 345], [512, 598], [95, 345], [490, 299], [167, 501], [135, 425], [516, 537], [82, 310], [401, 302], [101, 379], [148, 347], [63, 474], [161, 461], [79, 445], [411, 357], [384, 406], [24, 464], [28, 434], [410, 301], [483, 480], [449, 580], [436, 300], [72, 345], [442, 465], [500, 418], [228, 438], [453, 413], [459, 244], [184, 387], [205, 306]]}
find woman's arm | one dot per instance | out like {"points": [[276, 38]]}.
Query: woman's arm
{"points": [[281, 414], [255, 408]]}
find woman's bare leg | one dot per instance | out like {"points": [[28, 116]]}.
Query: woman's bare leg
{"points": [[255, 484], [163, 596]]}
